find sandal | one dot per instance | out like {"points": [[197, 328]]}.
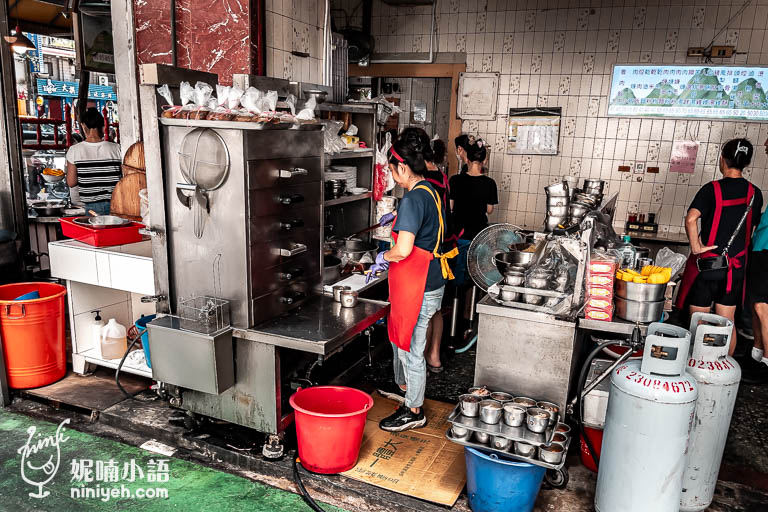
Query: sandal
{"points": [[435, 369]]}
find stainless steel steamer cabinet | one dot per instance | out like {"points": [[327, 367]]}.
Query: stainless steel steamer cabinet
{"points": [[254, 240]]}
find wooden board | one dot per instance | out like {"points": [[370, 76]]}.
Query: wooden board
{"points": [[95, 392], [134, 156], [421, 463], [125, 197]]}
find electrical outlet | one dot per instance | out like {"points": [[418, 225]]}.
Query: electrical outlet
{"points": [[639, 167], [696, 51], [722, 52]]}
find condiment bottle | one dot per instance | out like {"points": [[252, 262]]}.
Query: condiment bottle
{"points": [[96, 325], [113, 340]]}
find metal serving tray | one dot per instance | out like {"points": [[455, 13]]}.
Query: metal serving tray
{"points": [[512, 455], [501, 429]]}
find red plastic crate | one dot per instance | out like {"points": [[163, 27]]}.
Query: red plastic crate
{"points": [[101, 237]]}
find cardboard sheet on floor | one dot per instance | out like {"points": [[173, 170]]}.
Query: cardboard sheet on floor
{"points": [[420, 463]]}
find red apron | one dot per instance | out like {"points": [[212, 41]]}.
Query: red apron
{"points": [[407, 282], [691, 271]]}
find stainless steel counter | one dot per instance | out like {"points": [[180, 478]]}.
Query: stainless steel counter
{"points": [[319, 326]]}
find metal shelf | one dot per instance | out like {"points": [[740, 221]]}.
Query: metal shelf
{"points": [[91, 357], [348, 199], [346, 154]]}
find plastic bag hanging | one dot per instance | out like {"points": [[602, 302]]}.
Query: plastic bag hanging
{"points": [[382, 173]]}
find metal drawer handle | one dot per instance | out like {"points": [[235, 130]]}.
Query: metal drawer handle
{"points": [[293, 251], [295, 223], [294, 198], [290, 299], [290, 173], [8, 312], [293, 273]]}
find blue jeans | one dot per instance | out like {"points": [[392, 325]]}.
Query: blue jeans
{"points": [[100, 207], [411, 367]]}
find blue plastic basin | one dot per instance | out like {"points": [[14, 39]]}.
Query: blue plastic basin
{"points": [[499, 484], [141, 325]]}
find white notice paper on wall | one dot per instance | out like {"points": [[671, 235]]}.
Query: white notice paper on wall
{"points": [[478, 93], [683, 157], [533, 131]]}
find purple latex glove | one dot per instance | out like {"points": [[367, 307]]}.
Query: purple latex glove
{"points": [[386, 219], [380, 266]]}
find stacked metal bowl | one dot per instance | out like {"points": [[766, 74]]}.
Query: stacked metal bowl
{"points": [[558, 199]]}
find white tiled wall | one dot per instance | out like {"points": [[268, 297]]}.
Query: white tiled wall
{"points": [[295, 25], [561, 54]]}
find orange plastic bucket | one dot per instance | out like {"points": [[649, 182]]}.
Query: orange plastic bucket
{"points": [[33, 334]]}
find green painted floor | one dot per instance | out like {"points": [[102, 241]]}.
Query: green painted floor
{"points": [[104, 465]]}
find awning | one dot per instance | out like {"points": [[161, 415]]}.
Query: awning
{"points": [[40, 17]]}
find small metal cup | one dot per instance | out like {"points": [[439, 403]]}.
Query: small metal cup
{"points": [[348, 298], [490, 411], [552, 454], [560, 439], [479, 391], [514, 414], [502, 397], [524, 401], [482, 437], [563, 428], [470, 405], [337, 291], [537, 419], [500, 443], [525, 449], [553, 410], [459, 432]]}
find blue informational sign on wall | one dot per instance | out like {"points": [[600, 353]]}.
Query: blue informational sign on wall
{"points": [[48, 87], [703, 92], [36, 56]]}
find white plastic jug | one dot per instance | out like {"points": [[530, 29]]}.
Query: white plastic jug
{"points": [[113, 340]]}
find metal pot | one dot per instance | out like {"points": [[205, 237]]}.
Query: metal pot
{"points": [[539, 280], [331, 269], [551, 222], [490, 411], [525, 449], [514, 414], [337, 291], [558, 200], [578, 210], [641, 292], [502, 397], [508, 295], [355, 249], [537, 419], [563, 428], [479, 391], [552, 454], [49, 208], [348, 298], [482, 437], [557, 211], [470, 405], [518, 258], [513, 278], [524, 401], [501, 443], [557, 190], [592, 184], [459, 432], [532, 299], [553, 410], [560, 439], [638, 311]]}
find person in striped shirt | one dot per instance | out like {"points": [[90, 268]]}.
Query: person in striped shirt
{"points": [[93, 166]]}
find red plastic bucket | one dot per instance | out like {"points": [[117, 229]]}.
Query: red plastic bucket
{"points": [[595, 436], [329, 426], [33, 334]]}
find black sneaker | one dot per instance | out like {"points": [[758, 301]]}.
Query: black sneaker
{"points": [[403, 419], [753, 372]]}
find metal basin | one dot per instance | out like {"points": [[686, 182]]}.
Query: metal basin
{"points": [[638, 311], [641, 292], [517, 258]]}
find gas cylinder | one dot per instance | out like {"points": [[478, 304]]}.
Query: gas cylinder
{"points": [[717, 377], [650, 409]]}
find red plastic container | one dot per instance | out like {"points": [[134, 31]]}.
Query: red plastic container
{"points": [[33, 334], [595, 436], [329, 426], [101, 237]]}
